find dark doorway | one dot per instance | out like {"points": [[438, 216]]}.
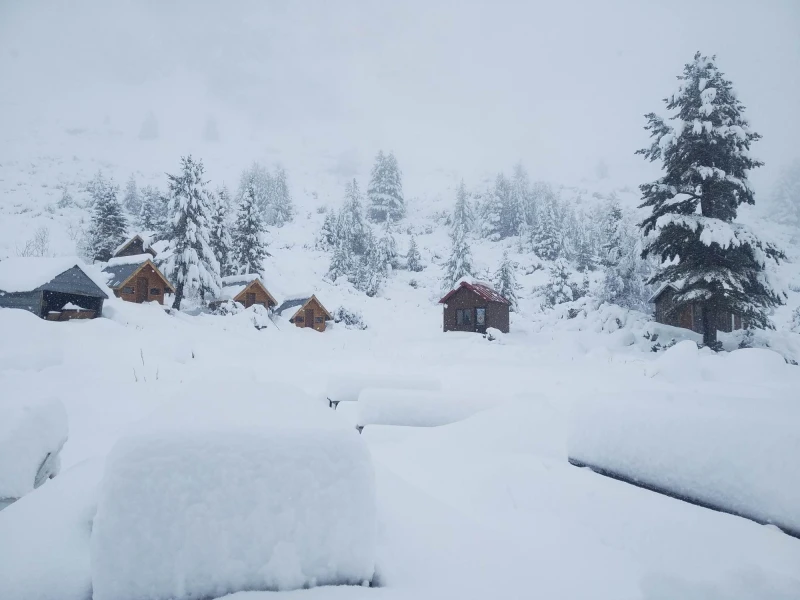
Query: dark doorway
{"points": [[309, 317], [480, 319], [141, 289], [251, 299]]}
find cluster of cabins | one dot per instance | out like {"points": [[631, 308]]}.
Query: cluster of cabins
{"points": [[57, 291], [60, 289]]}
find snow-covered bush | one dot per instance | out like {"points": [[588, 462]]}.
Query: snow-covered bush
{"points": [[229, 490], [352, 319]]}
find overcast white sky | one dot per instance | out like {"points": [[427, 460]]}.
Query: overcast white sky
{"points": [[456, 85]]}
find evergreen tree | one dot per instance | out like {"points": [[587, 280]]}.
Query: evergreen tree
{"points": [[66, 198], [108, 226], [785, 206], [523, 197], [282, 206], [413, 258], [96, 189], [153, 215], [462, 213], [612, 234], [258, 178], [327, 234], [249, 248], [559, 288], [503, 214], [191, 264], [340, 264], [385, 191], [388, 246], [459, 264], [706, 157], [374, 268], [351, 235], [224, 196], [132, 201], [584, 252], [505, 281], [220, 238], [545, 235]]}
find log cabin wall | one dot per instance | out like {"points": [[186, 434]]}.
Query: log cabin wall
{"points": [[254, 294], [317, 315], [497, 313], [154, 288]]}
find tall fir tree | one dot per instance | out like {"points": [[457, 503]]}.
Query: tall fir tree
{"points": [[413, 258], [281, 205], [326, 240], [385, 191], [462, 212], [559, 288], [388, 245], [249, 247], [705, 155], [459, 263], [132, 201], [545, 235], [505, 281], [191, 263], [108, 226], [612, 232], [503, 215], [351, 236], [220, 237]]}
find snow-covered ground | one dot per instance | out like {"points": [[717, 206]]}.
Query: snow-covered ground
{"points": [[487, 507]]}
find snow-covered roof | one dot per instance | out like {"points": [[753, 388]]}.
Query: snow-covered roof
{"points": [[675, 285], [144, 237], [238, 279], [30, 273], [294, 303], [482, 289], [229, 292], [134, 259]]}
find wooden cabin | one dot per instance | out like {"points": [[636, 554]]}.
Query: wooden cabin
{"points": [[475, 307], [305, 311], [56, 289], [246, 290], [134, 246], [137, 279], [689, 315]]}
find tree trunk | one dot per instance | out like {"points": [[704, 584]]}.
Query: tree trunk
{"points": [[178, 296], [710, 326]]}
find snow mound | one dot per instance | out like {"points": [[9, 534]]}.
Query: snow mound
{"points": [[222, 492], [35, 346], [32, 434], [347, 389], [50, 529], [416, 408], [741, 455]]}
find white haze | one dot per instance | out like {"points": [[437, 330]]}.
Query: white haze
{"points": [[453, 87]]}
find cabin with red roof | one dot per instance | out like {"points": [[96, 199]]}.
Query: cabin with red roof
{"points": [[473, 306]]}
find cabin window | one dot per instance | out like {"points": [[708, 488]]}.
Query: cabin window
{"points": [[299, 320], [464, 316], [155, 291], [127, 289], [480, 316], [319, 319]]}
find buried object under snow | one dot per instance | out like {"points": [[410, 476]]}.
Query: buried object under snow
{"points": [[213, 497]]}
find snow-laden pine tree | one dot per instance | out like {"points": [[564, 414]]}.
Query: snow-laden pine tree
{"points": [[523, 195], [132, 201], [191, 264], [220, 237], [326, 239], [373, 268], [583, 249], [505, 281], [258, 178], [462, 212], [153, 215], [503, 214], [559, 288], [413, 258], [249, 247], [785, 205], [545, 234], [612, 234], [388, 245], [281, 199], [385, 191], [459, 263], [351, 234], [107, 230], [704, 148]]}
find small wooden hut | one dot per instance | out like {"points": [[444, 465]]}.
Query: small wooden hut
{"points": [[688, 315], [246, 290], [136, 279], [56, 289], [305, 311], [474, 306], [136, 245]]}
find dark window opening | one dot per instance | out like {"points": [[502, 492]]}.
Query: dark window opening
{"points": [[127, 290], [155, 291], [464, 316], [319, 319], [480, 316], [299, 320]]}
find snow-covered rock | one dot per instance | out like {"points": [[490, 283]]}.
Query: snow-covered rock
{"points": [[416, 408], [32, 433], [241, 487]]}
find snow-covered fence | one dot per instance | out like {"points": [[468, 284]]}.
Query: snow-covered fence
{"points": [[415, 408], [32, 434], [220, 494], [735, 455], [348, 388]]}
